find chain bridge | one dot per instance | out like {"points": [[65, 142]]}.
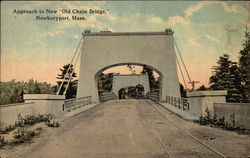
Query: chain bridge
{"points": [[97, 124]]}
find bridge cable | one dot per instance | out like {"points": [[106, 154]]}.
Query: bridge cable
{"points": [[64, 78], [182, 60], [71, 75], [181, 73]]}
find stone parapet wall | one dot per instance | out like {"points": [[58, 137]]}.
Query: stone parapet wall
{"points": [[234, 112], [34, 104], [9, 113]]}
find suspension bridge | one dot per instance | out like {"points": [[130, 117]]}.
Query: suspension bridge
{"points": [[96, 124]]}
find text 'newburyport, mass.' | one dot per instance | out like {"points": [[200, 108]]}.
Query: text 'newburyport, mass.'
{"points": [[60, 14]]}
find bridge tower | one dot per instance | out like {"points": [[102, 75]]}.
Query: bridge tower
{"points": [[104, 50]]}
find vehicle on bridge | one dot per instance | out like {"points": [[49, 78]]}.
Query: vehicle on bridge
{"points": [[139, 91]]}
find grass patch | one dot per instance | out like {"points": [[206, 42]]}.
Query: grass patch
{"points": [[20, 131]]}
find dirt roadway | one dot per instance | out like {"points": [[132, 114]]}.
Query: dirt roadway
{"points": [[131, 129]]}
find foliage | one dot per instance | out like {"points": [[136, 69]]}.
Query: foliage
{"points": [[2, 142], [105, 81], [32, 119], [183, 91], [202, 88], [131, 68], [25, 120], [153, 82], [232, 76], [226, 77], [23, 135], [64, 74], [12, 91], [6, 128], [244, 67]]}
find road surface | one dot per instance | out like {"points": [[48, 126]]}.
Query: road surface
{"points": [[134, 129]]}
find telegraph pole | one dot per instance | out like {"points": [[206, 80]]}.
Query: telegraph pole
{"points": [[193, 84]]}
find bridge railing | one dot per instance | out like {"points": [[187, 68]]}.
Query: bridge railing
{"points": [[153, 95], [72, 104], [181, 103], [106, 95]]}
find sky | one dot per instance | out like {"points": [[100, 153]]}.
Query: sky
{"points": [[203, 30]]}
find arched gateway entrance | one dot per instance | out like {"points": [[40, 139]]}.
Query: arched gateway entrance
{"points": [[106, 49]]}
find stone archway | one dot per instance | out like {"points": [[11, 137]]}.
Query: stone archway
{"points": [[106, 49]]}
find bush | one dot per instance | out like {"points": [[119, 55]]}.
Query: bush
{"points": [[2, 142], [2, 128], [32, 119], [23, 135], [6, 128]]}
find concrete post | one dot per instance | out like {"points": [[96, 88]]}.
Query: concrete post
{"points": [[46, 103], [200, 100]]}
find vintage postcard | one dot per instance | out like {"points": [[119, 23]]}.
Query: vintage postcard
{"points": [[141, 79]]}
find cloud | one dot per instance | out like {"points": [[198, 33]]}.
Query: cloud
{"points": [[198, 6], [189, 11], [76, 36], [232, 9], [53, 33], [194, 43], [37, 43], [211, 38], [175, 20], [154, 19]]}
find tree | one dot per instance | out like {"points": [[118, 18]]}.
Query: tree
{"points": [[21, 96], [244, 66], [12, 92], [66, 71], [131, 68], [105, 81], [220, 80], [202, 88], [153, 82], [226, 77], [15, 96], [236, 91], [183, 91], [37, 90]]}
